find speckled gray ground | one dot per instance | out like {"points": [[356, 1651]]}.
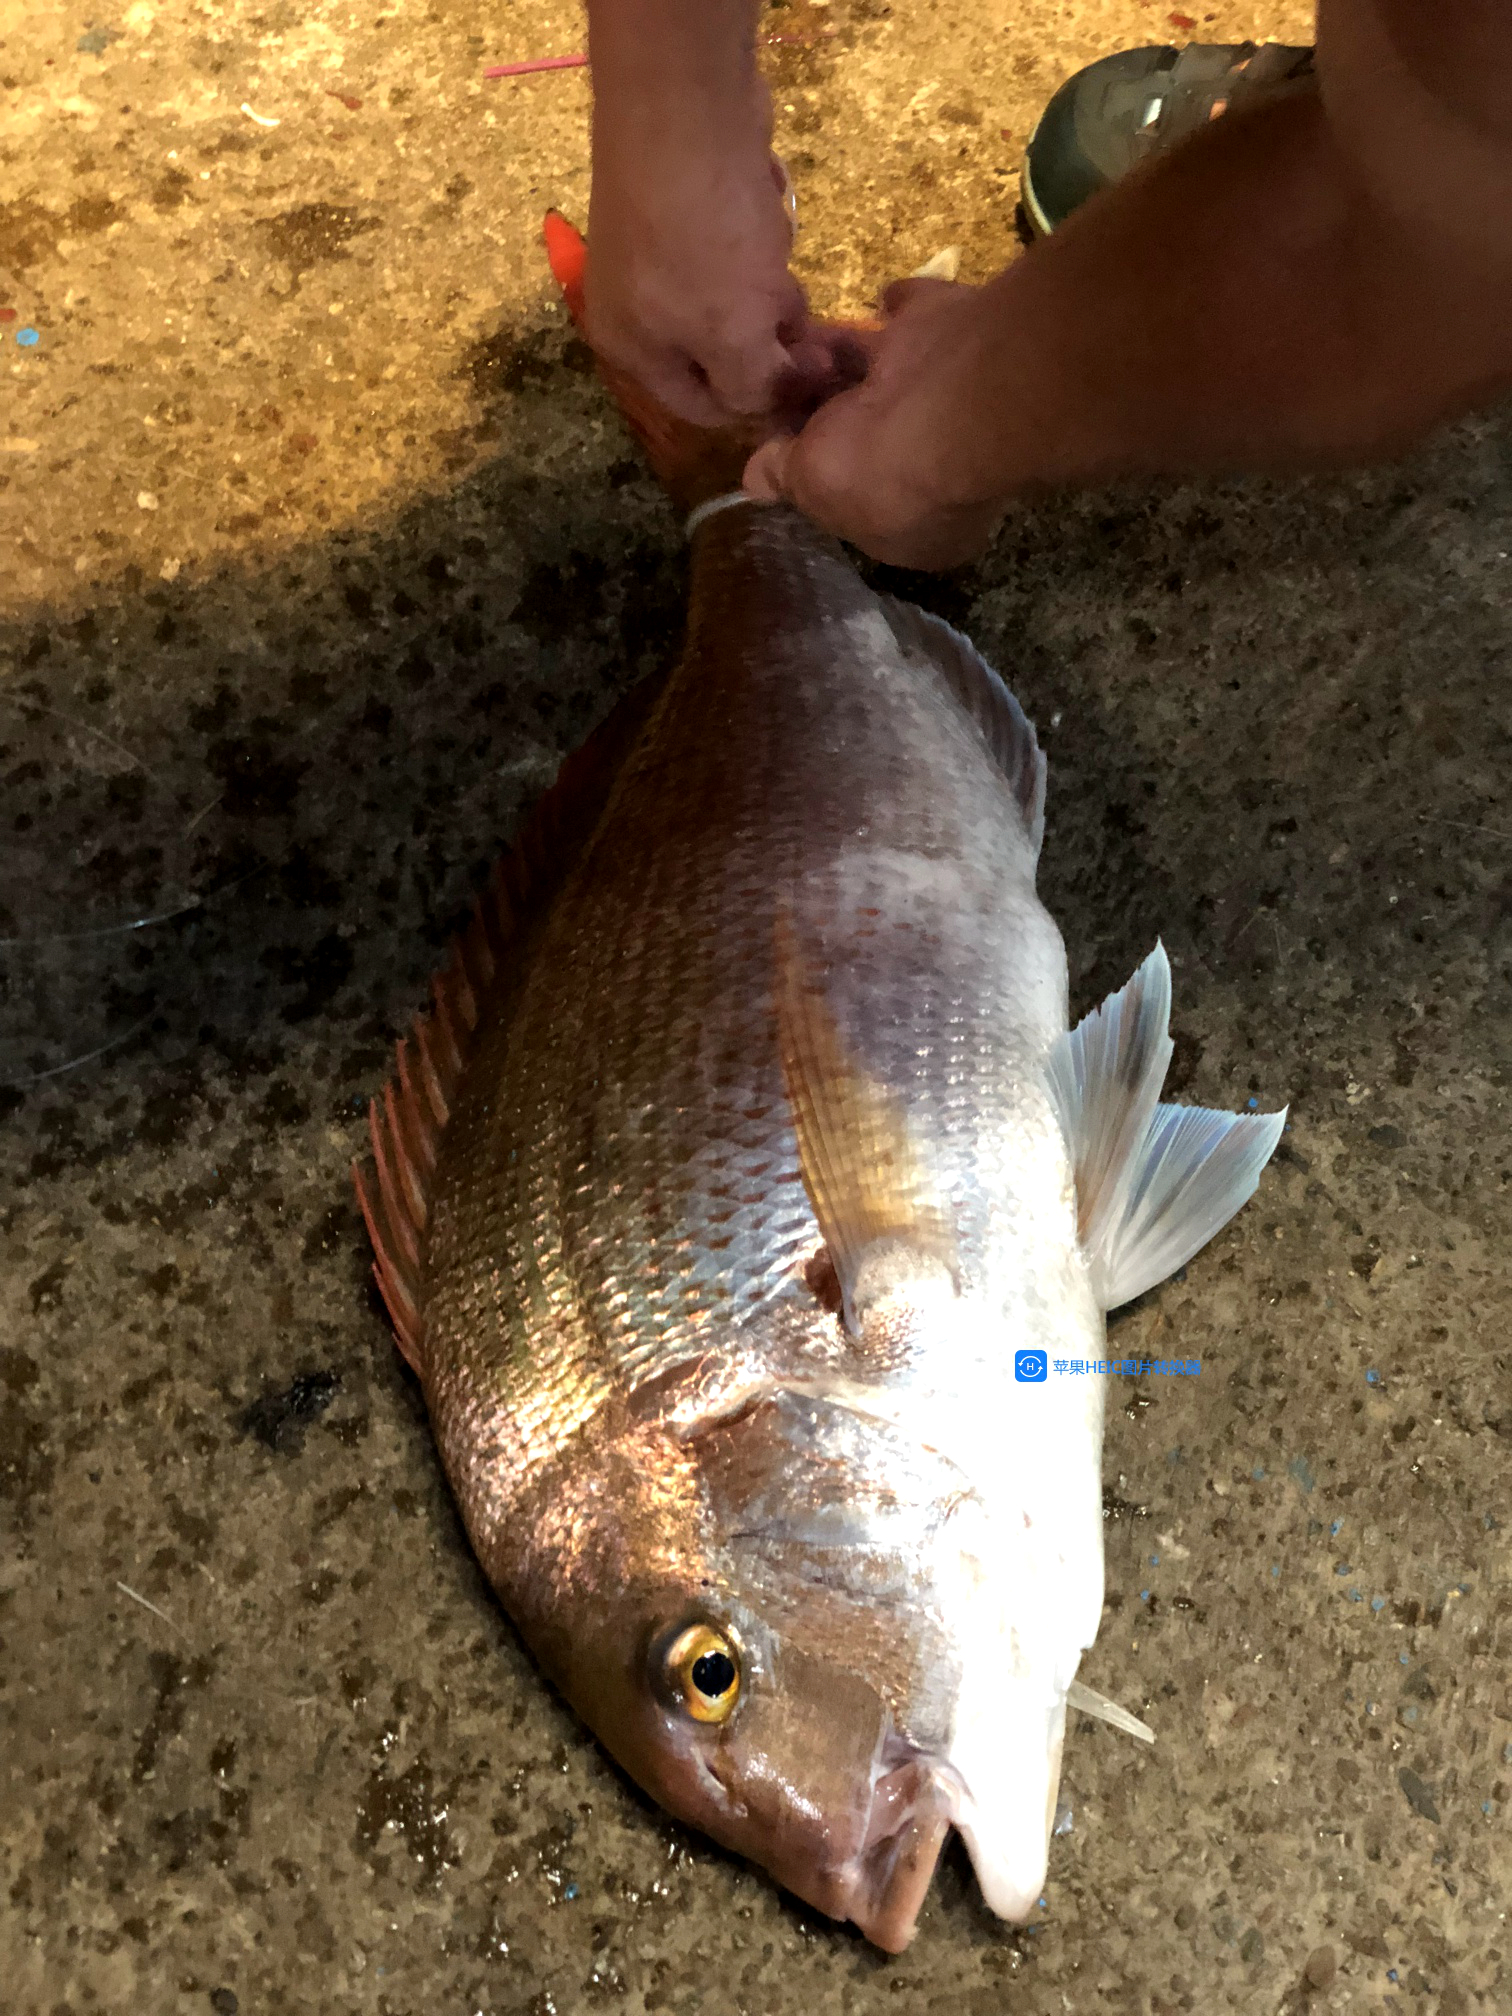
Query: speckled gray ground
{"points": [[322, 548]]}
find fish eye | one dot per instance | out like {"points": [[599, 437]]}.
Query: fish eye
{"points": [[703, 1665]]}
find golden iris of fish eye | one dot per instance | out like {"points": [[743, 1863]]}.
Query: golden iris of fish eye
{"points": [[705, 1668]]}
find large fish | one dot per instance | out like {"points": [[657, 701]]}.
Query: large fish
{"points": [[737, 1200]]}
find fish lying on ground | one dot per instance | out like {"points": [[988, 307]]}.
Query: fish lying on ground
{"points": [[740, 1193]]}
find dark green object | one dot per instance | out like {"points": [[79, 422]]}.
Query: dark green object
{"points": [[1108, 118]]}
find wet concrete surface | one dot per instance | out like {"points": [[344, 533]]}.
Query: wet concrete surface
{"points": [[322, 547]]}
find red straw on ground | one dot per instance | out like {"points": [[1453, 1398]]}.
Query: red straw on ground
{"points": [[535, 64]]}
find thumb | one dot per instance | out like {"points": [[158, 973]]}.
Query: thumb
{"points": [[741, 375], [816, 469], [837, 474], [766, 472]]}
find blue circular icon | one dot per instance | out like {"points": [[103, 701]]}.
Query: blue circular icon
{"points": [[1030, 1367]]}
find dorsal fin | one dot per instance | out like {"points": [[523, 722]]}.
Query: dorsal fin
{"points": [[407, 1120], [1006, 728]]}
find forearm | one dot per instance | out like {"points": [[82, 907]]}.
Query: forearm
{"points": [[1245, 304], [1300, 286], [1312, 284], [688, 287]]}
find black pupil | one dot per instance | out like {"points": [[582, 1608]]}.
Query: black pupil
{"points": [[714, 1674]]}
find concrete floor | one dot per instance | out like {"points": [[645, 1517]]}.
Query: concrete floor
{"points": [[320, 547]]}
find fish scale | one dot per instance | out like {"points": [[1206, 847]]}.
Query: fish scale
{"points": [[657, 965]]}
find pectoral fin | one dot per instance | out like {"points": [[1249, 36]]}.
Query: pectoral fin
{"points": [[876, 1209], [1154, 1183], [1089, 1702]]}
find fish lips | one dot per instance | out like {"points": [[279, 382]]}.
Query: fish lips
{"points": [[912, 1809], [881, 1888]]}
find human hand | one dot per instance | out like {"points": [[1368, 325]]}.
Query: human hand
{"points": [[893, 465], [688, 287]]}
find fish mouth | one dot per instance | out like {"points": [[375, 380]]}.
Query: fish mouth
{"points": [[884, 1887]]}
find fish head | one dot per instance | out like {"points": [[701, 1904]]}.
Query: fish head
{"points": [[781, 1747], [928, 1585], [789, 1627], [829, 1770], [950, 1563], [741, 1630], [808, 1774]]}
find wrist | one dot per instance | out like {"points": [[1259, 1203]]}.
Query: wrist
{"points": [[963, 447]]}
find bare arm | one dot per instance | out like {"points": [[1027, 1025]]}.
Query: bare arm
{"points": [[1312, 284], [688, 283]]}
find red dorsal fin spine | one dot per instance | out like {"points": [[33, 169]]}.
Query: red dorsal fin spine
{"points": [[407, 1120]]}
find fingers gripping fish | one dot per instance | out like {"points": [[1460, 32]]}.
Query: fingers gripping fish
{"points": [[744, 1149]]}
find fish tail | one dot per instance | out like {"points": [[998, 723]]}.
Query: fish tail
{"points": [[567, 249], [693, 463]]}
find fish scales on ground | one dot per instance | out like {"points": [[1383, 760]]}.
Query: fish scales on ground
{"points": [[744, 1153]]}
